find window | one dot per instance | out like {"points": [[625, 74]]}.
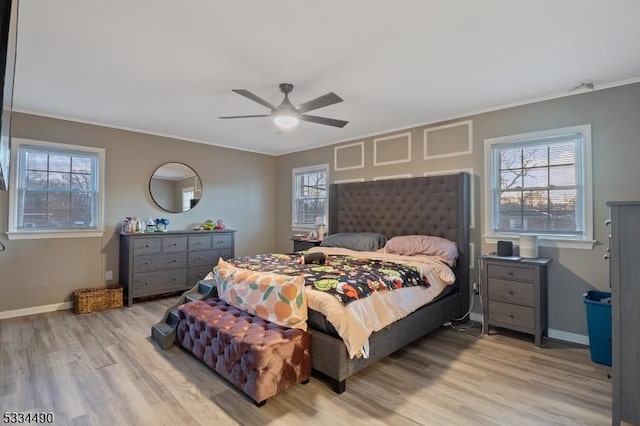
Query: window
{"points": [[540, 183], [310, 194], [188, 194], [57, 191]]}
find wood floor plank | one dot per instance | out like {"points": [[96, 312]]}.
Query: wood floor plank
{"points": [[102, 368]]}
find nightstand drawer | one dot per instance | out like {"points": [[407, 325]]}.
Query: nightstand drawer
{"points": [[515, 292], [510, 272], [519, 317]]}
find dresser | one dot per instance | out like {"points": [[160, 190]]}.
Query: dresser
{"points": [[167, 262], [515, 294], [624, 273]]}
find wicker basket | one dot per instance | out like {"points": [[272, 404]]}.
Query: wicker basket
{"points": [[87, 300]]}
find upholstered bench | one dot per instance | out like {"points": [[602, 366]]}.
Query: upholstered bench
{"points": [[259, 357]]}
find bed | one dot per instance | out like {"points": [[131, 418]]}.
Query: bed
{"points": [[432, 205], [437, 206]]}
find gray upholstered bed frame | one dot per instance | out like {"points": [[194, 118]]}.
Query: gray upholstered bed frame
{"points": [[433, 205]]}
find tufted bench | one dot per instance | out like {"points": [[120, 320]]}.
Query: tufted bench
{"points": [[258, 357]]}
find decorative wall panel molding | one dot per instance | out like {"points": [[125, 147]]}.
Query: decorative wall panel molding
{"points": [[349, 180], [449, 140], [405, 176], [392, 149], [348, 157]]}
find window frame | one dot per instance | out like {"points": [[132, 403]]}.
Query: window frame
{"points": [[14, 233], [307, 169], [584, 180]]}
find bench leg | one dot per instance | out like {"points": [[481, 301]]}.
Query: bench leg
{"points": [[261, 403]]}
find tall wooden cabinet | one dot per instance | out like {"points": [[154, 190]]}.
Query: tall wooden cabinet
{"points": [[166, 262], [625, 288]]}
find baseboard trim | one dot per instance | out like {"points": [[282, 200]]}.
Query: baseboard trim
{"points": [[35, 310], [552, 333], [568, 337]]}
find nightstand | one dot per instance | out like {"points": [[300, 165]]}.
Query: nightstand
{"points": [[514, 292], [302, 245]]}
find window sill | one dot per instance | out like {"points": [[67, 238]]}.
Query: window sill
{"points": [[544, 242], [41, 235]]}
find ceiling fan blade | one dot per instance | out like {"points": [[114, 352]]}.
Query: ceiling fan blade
{"points": [[321, 102], [255, 98], [247, 116], [324, 120]]}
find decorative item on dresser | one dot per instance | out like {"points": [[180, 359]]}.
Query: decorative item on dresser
{"points": [[515, 294], [302, 244], [624, 274], [172, 261]]}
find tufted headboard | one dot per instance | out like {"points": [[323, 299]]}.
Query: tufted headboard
{"points": [[431, 205]]}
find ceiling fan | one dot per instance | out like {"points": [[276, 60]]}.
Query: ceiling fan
{"points": [[286, 115]]}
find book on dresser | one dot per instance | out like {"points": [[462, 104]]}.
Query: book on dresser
{"points": [[167, 262]]}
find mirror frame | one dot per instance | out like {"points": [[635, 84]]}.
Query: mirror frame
{"points": [[197, 188]]}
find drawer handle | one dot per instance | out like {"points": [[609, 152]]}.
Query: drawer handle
{"points": [[147, 282], [147, 245], [175, 278], [606, 257], [148, 262], [199, 257], [220, 242], [510, 314], [510, 292], [199, 243], [175, 259], [510, 272], [174, 244]]}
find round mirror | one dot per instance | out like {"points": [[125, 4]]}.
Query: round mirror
{"points": [[175, 187]]}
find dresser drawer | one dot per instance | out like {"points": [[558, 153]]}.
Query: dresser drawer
{"points": [[222, 241], [204, 257], [159, 261], [149, 283], [147, 245], [510, 272], [201, 242], [174, 244], [197, 273], [516, 316], [515, 292]]}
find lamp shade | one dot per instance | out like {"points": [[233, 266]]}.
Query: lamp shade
{"points": [[528, 246]]}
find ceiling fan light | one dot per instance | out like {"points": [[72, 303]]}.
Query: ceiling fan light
{"points": [[286, 121]]}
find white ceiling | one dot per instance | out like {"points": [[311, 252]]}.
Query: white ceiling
{"points": [[168, 67]]}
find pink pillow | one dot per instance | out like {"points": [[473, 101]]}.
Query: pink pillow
{"points": [[410, 245]]}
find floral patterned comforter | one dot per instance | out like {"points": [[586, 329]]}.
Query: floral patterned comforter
{"points": [[347, 278]]}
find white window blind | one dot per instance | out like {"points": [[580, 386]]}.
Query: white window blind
{"points": [[310, 194], [57, 189], [540, 183]]}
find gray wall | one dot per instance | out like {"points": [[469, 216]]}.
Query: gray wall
{"points": [[238, 187], [615, 118]]}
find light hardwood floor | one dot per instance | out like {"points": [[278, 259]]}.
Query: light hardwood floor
{"points": [[102, 369]]}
